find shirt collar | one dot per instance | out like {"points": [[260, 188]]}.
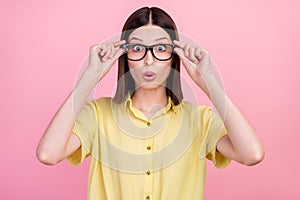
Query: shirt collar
{"points": [[170, 105]]}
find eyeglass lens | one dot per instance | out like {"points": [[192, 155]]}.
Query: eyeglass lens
{"points": [[160, 51]]}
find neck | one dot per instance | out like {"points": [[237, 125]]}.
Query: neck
{"points": [[149, 100]]}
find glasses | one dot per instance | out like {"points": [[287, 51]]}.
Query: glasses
{"points": [[161, 52]]}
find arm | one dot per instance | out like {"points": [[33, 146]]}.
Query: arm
{"points": [[58, 142], [242, 143]]}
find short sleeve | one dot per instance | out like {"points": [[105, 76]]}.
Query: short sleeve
{"points": [[213, 129], [85, 128]]}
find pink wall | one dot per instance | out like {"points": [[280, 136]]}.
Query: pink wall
{"points": [[254, 43]]}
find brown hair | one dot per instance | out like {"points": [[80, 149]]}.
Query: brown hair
{"points": [[141, 17]]}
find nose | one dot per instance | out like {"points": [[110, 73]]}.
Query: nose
{"points": [[149, 58]]}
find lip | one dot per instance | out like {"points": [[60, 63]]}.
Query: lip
{"points": [[149, 76]]}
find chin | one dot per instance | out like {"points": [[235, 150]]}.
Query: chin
{"points": [[150, 86]]}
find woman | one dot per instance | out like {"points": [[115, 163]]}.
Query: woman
{"points": [[146, 142]]}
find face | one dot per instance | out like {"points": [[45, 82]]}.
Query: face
{"points": [[149, 72]]}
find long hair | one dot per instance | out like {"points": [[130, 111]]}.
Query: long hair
{"points": [[141, 17]]}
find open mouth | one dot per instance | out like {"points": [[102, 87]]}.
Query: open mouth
{"points": [[149, 76]]}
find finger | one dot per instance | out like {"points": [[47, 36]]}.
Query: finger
{"points": [[98, 47], [183, 46], [108, 53], [192, 55], [112, 50], [179, 44], [118, 53], [180, 53], [186, 50], [198, 53], [116, 50], [203, 51], [103, 51], [118, 43], [112, 60], [95, 48]]}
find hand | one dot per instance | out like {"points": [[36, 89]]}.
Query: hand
{"points": [[196, 61], [103, 56]]}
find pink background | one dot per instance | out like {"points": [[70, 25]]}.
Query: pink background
{"points": [[254, 43]]}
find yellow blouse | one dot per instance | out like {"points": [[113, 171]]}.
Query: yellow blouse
{"points": [[135, 158]]}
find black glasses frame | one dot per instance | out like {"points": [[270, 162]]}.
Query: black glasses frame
{"points": [[124, 46]]}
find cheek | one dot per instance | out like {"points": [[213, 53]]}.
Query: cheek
{"points": [[166, 67], [165, 72], [135, 70], [134, 64]]}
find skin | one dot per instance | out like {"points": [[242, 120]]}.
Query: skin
{"points": [[242, 143], [149, 97]]}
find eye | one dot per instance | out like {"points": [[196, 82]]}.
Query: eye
{"points": [[161, 48], [137, 47]]}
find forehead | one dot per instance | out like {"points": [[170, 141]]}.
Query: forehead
{"points": [[149, 33]]}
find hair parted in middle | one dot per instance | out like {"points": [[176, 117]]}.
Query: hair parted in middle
{"points": [[142, 17]]}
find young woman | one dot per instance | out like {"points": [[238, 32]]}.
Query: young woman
{"points": [[146, 142]]}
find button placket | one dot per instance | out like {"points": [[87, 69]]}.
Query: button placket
{"points": [[151, 138], [149, 148]]}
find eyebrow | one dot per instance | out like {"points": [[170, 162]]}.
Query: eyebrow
{"points": [[135, 38], [161, 38]]}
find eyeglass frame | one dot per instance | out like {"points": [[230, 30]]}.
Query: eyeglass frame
{"points": [[124, 46]]}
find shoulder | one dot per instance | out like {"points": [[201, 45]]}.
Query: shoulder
{"points": [[196, 112], [191, 107], [103, 101], [99, 104]]}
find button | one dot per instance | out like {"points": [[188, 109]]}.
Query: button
{"points": [[148, 147], [148, 123], [148, 172], [147, 198]]}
